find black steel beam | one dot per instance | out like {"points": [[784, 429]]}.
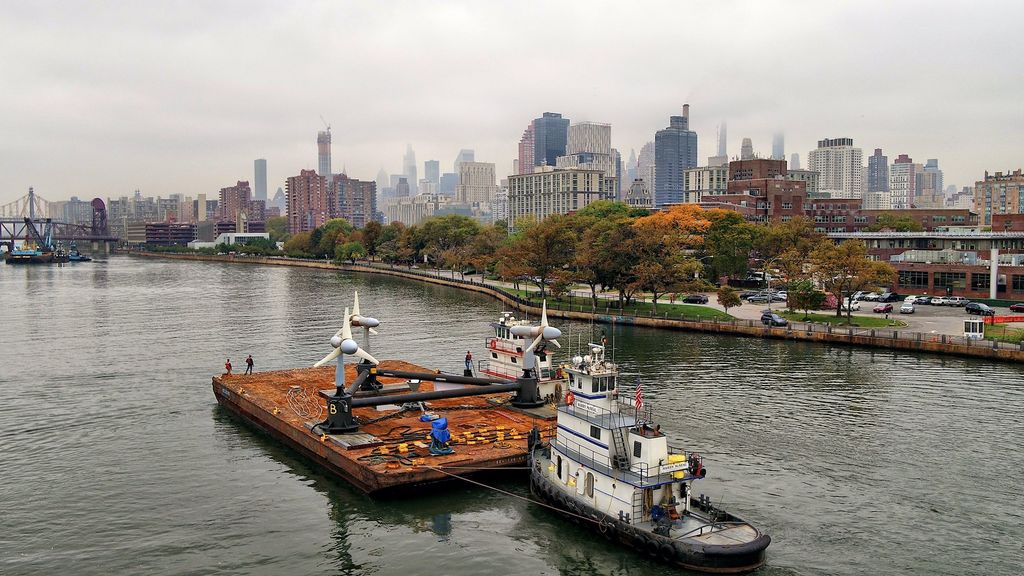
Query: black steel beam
{"points": [[435, 395], [442, 377]]}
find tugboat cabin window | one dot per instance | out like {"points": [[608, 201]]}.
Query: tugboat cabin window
{"points": [[595, 432], [494, 354], [637, 448], [571, 379], [589, 485], [559, 473], [514, 360]]}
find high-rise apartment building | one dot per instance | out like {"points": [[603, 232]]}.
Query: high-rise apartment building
{"points": [[432, 171], [778, 146], [878, 172], [234, 200], [409, 169], [675, 151], [307, 201], [354, 200], [841, 166], [260, 179], [794, 161], [930, 191], [402, 188], [465, 155], [550, 136], [526, 151], [449, 182], [999, 193], [550, 191], [476, 183], [589, 147], [902, 183], [323, 147], [646, 165]]}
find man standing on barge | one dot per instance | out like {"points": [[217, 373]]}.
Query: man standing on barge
{"points": [[248, 364]]}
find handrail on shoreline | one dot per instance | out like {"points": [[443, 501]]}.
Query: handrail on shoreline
{"points": [[890, 338]]}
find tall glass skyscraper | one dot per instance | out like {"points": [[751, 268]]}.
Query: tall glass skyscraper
{"points": [[550, 134], [675, 151]]}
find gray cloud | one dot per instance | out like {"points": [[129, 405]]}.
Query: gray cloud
{"points": [[103, 98]]}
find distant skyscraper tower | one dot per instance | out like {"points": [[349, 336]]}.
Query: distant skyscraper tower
{"points": [[409, 168], [747, 150], [260, 179], [465, 155], [432, 171], [794, 161], [841, 166], [323, 146], [526, 151], [675, 151], [778, 146], [878, 172], [382, 180], [550, 135], [722, 158]]}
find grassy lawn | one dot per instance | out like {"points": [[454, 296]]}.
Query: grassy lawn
{"points": [[634, 309], [1004, 332], [858, 321]]}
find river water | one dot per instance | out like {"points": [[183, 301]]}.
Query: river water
{"points": [[116, 459]]}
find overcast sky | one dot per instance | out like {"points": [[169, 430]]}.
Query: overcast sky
{"points": [[98, 99]]}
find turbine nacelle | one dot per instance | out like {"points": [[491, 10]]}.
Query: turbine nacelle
{"points": [[542, 333], [363, 321], [344, 344]]}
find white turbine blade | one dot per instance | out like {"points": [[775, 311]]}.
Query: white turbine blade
{"points": [[372, 331], [534, 344], [365, 355], [346, 328], [555, 342], [544, 314], [334, 354], [355, 304]]}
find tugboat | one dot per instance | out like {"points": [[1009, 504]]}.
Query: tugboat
{"points": [[74, 255], [507, 357], [610, 467]]}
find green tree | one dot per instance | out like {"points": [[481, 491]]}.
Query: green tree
{"points": [[845, 268], [444, 233], [350, 251], [727, 244], [373, 236], [299, 244], [546, 247], [803, 295], [277, 227], [728, 298]]}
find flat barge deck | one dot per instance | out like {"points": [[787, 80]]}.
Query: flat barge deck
{"points": [[390, 450]]}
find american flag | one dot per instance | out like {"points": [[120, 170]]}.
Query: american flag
{"points": [[639, 396]]}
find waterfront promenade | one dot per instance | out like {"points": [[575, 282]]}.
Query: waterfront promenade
{"points": [[889, 338]]}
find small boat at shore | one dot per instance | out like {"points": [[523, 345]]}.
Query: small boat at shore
{"points": [[611, 468]]}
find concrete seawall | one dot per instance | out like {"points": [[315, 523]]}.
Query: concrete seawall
{"points": [[875, 338]]}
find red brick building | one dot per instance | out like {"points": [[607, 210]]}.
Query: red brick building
{"points": [[307, 201], [234, 199], [759, 190]]}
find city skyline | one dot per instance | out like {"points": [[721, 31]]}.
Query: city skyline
{"points": [[131, 97]]}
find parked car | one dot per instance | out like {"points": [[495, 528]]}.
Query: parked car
{"points": [[922, 300], [854, 305], [760, 297], [956, 301], [772, 319], [870, 297], [979, 308], [1017, 307], [938, 301], [747, 294], [696, 299], [857, 295], [882, 308], [907, 308], [780, 297], [888, 297]]}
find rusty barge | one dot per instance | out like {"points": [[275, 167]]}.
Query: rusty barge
{"points": [[389, 426]]}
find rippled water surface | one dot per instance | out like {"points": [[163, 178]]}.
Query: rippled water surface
{"points": [[116, 459]]}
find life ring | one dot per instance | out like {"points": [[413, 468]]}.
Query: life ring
{"points": [[494, 343], [569, 398]]}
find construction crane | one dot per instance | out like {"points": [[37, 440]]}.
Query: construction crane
{"points": [[325, 123]]}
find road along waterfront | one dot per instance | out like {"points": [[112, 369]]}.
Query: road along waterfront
{"points": [[116, 458]]}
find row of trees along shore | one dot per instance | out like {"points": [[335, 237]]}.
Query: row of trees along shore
{"points": [[611, 246]]}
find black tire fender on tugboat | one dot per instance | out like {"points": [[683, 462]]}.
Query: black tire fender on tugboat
{"points": [[668, 552], [651, 547]]}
